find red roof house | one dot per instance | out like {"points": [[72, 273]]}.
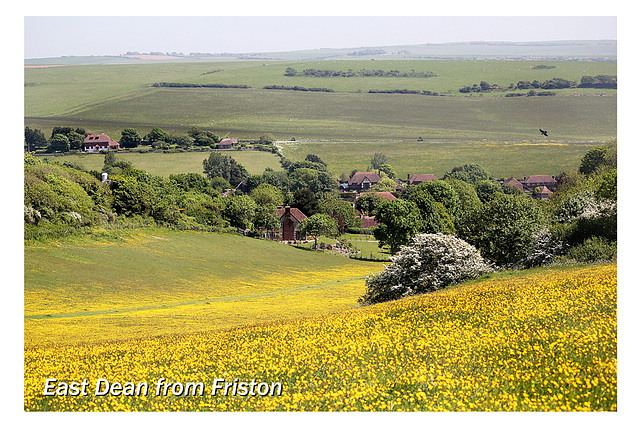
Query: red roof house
{"points": [[94, 143], [420, 178], [363, 181], [227, 143], [386, 195], [515, 183], [534, 181], [290, 219]]}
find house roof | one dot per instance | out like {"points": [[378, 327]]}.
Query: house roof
{"points": [[97, 138], [228, 141], [422, 177], [358, 177], [295, 212], [386, 195], [544, 190], [533, 179], [514, 182]]}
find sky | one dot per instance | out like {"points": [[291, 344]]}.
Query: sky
{"points": [[52, 36]]}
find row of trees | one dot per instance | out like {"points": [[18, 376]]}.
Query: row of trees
{"points": [[600, 81], [364, 72]]}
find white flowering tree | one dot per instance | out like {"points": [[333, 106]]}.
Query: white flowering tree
{"points": [[432, 262]]}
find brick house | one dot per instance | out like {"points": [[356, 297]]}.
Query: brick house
{"points": [[290, 219], [95, 143], [362, 181]]}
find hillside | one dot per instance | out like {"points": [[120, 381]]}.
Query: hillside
{"points": [[106, 285], [541, 340]]}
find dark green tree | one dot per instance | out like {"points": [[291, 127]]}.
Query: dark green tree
{"points": [[59, 142], [34, 139], [130, 138], [502, 229], [305, 200], [470, 173], [399, 221], [378, 159], [156, 135], [218, 165]]}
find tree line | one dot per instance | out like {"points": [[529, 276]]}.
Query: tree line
{"points": [[599, 82], [365, 72], [64, 139]]}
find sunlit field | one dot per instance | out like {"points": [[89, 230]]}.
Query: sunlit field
{"points": [[137, 284], [536, 341]]}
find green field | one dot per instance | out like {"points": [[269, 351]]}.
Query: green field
{"points": [[143, 283], [108, 98], [502, 159], [165, 164]]}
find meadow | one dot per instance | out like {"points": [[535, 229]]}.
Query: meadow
{"points": [[112, 284], [108, 98], [542, 340]]}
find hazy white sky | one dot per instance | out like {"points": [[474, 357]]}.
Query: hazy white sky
{"points": [[51, 36]]}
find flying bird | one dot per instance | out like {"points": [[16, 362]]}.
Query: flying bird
{"points": [[544, 132]]}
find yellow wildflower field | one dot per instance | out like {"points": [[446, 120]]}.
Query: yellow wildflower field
{"points": [[156, 282], [537, 341]]}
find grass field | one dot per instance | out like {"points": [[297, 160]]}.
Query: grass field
{"points": [[108, 98], [145, 283], [165, 164], [502, 159], [540, 340]]}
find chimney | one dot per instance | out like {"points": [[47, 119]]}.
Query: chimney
{"points": [[408, 177], [287, 210]]}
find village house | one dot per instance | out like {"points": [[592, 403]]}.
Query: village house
{"points": [[362, 181], [529, 184], [515, 183], [290, 219], [541, 193], [226, 143], [420, 178], [95, 143]]}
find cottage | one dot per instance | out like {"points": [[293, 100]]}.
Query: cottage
{"points": [[362, 181], [515, 183], [541, 193], [227, 143], [290, 219], [420, 178], [529, 184], [95, 143]]}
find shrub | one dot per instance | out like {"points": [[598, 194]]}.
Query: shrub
{"points": [[433, 262], [544, 249], [594, 249]]}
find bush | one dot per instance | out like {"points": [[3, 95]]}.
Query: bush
{"points": [[545, 247], [594, 249], [433, 262]]}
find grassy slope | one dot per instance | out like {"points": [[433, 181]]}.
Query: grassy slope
{"points": [[146, 283], [540, 340], [107, 96]]}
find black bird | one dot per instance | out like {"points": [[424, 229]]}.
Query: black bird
{"points": [[544, 132]]}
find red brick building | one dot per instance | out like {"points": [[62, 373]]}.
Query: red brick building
{"points": [[290, 219]]}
